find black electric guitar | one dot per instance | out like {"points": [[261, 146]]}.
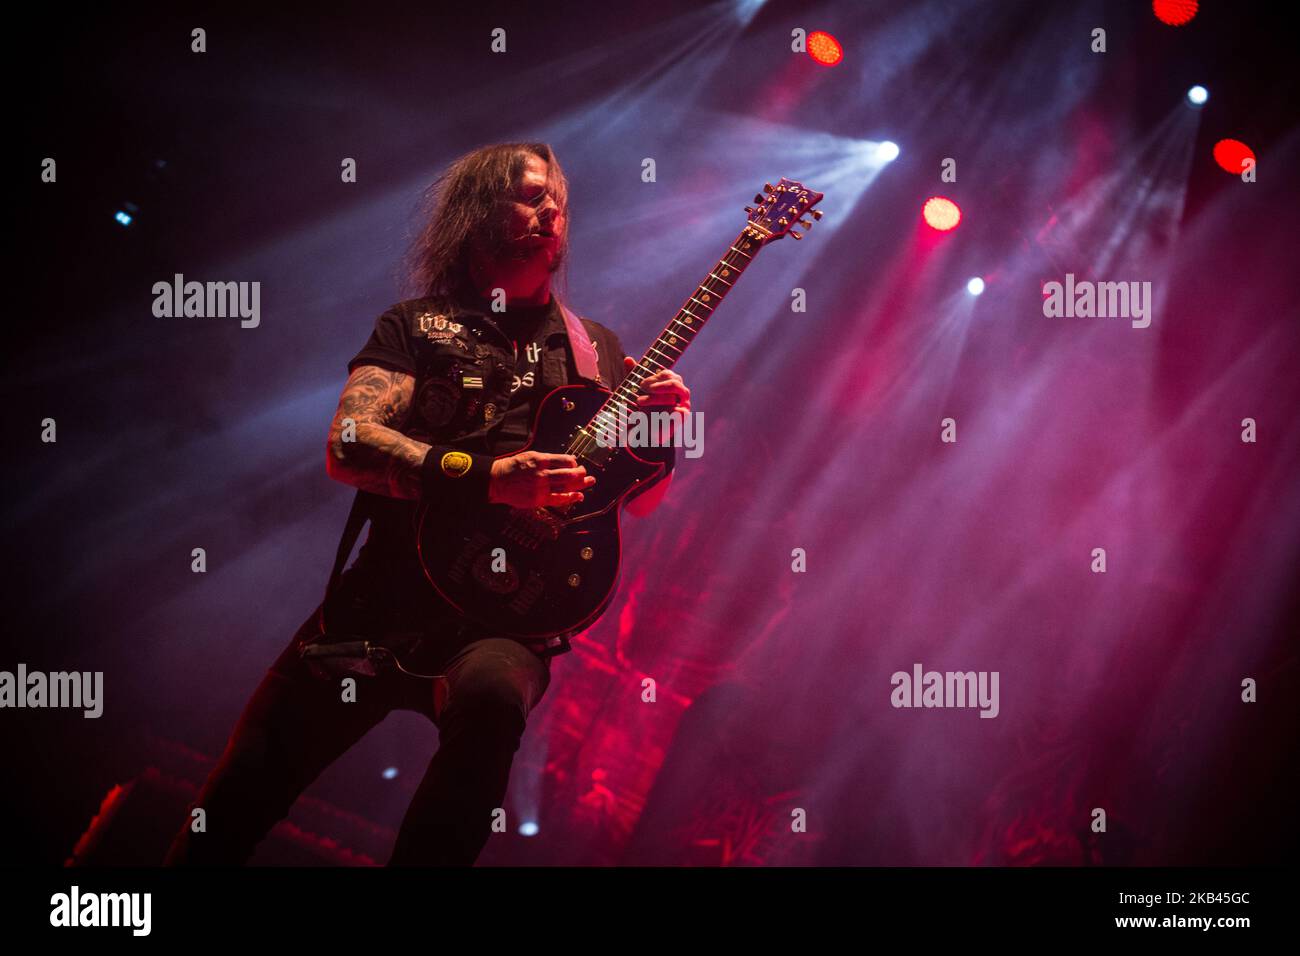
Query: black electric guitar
{"points": [[550, 572]]}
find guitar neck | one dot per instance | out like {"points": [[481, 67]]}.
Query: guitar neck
{"points": [[686, 324]]}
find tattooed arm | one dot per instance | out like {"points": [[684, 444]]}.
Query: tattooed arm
{"points": [[372, 454], [375, 456]]}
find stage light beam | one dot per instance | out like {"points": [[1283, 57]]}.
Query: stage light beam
{"points": [[975, 286], [1197, 95], [745, 10], [528, 828], [887, 151]]}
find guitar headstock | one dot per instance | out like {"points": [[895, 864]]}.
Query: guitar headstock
{"points": [[778, 210]]}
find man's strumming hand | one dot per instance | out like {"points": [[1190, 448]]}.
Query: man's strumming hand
{"points": [[533, 479]]}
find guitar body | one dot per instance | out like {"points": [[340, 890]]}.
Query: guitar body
{"points": [[556, 569]]}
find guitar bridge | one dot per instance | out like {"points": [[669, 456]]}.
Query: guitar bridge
{"points": [[532, 529]]}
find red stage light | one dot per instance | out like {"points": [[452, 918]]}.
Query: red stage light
{"points": [[824, 48], [1174, 12], [940, 213], [1229, 153]]}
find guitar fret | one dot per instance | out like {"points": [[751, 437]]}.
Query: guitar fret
{"points": [[671, 346], [649, 364], [720, 279]]}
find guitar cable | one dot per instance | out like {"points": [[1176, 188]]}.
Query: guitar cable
{"points": [[360, 649], [378, 651]]}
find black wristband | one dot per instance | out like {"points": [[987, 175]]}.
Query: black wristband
{"points": [[450, 475]]}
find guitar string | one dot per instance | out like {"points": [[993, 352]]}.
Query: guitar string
{"points": [[620, 399]]}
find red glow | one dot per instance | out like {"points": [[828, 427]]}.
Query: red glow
{"points": [[940, 213], [1175, 12], [1229, 153], [824, 48]]}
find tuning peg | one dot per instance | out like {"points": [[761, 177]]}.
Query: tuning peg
{"points": [[817, 214], [797, 235], [749, 209], [758, 197], [767, 188], [805, 223]]}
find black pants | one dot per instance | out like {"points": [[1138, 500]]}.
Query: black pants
{"points": [[297, 723]]}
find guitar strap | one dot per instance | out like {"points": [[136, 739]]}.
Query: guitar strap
{"points": [[584, 353], [357, 518], [588, 366]]}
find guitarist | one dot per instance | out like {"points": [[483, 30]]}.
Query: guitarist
{"points": [[436, 402]]}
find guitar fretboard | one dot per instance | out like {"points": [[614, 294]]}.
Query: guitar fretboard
{"points": [[681, 331]]}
